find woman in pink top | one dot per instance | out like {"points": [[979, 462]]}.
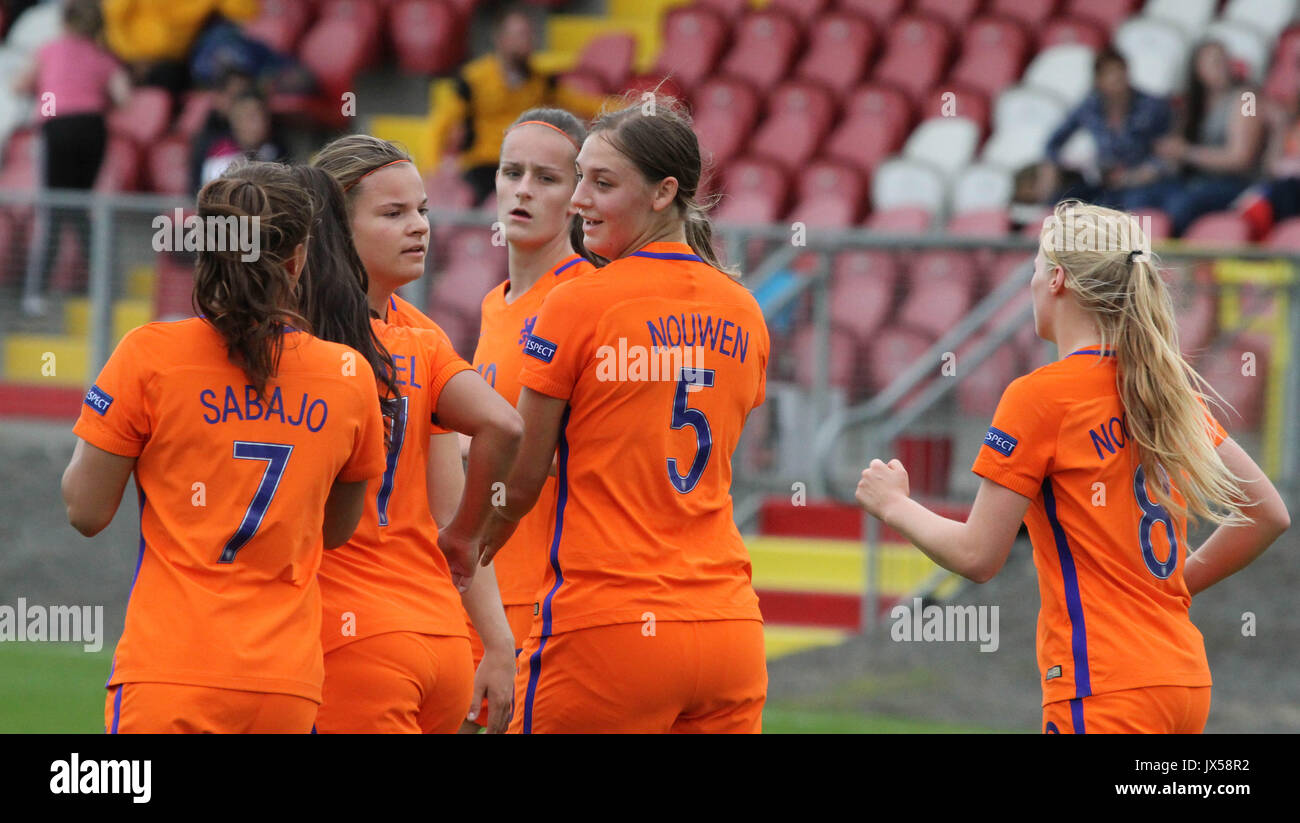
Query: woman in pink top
{"points": [[74, 79]]}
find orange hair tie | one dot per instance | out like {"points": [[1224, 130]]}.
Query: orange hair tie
{"points": [[567, 136], [372, 171]]}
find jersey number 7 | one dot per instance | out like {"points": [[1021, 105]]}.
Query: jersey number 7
{"points": [[683, 417], [276, 456]]}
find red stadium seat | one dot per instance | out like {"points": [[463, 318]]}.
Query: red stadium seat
{"points": [[956, 268], [1033, 13], [194, 113], [1283, 83], [994, 223], [427, 36], [799, 115], [1224, 228], [902, 220], [1073, 30], [956, 13], [730, 10], [862, 292], [805, 11], [831, 195], [584, 81], [875, 122], [765, 45], [280, 23], [963, 102], [1245, 392], [1109, 13], [1285, 236], [610, 58], [167, 166], [916, 54], [1195, 311], [724, 111], [18, 169], [1161, 227], [840, 47], [756, 192], [934, 304], [334, 51], [893, 350], [840, 365], [145, 116], [980, 390], [474, 266], [664, 84], [121, 167], [880, 12], [693, 38], [993, 55]]}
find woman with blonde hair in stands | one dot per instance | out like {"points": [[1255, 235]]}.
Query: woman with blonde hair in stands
{"points": [[1104, 454]]}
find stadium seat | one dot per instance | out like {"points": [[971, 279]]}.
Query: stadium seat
{"points": [[584, 81], [983, 223], [956, 13], [805, 11], [916, 54], [334, 51], [1246, 46], [840, 364], [830, 195], [1195, 313], [724, 111], [1244, 392], [693, 38], [1080, 31], [1023, 119], [1156, 52], [902, 220], [893, 350], [609, 57], [901, 182], [1065, 70], [840, 47], [1159, 227], [955, 100], [1219, 229], [473, 268], [1109, 13], [875, 122], [427, 36], [880, 12], [947, 143], [729, 10], [280, 23], [1283, 83], [862, 292], [1268, 17], [765, 45], [1285, 236], [756, 192], [120, 170], [145, 116], [18, 169], [798, 116], [979, 188], [1191, 16], [982, 386], [993, 53], [1032, 13], [167, 166]]}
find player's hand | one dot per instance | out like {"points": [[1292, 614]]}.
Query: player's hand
{"points": [[462, 552], [881, 485], [495, 680], [495, 534]]}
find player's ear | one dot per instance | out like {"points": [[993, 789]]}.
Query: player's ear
{"points": [[665, 192], [297, 262], [1056, 281]]}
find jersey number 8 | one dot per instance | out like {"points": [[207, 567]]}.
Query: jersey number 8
{"points": [[1153, 513]]}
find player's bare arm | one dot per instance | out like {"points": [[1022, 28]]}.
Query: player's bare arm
{"points": [[495, 677], [541, 415], [93, 485], [976, 549], [343, 509]]}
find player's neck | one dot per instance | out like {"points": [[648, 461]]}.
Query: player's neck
{"points": [[379, 295], [673, 232], [527, 266], [1076, 332]]}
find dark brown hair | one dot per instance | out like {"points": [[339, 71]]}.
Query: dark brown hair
{"points": [[348, 159], [656, 135], [249, 302]]}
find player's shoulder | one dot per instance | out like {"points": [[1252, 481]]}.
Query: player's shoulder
{"points": [[495, 300]]}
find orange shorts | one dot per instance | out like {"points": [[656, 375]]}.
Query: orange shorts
{"points": [[173, 708], [685, 677], [520, 618], [1150, 710], [397, 682]]}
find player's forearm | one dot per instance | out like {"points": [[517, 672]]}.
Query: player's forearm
{"points": [[945, 541], [491, 455], [1229, 550], [483, 603]]}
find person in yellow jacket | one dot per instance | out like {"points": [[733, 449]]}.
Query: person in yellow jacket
{"points": [[155, 36], [491, 91]]}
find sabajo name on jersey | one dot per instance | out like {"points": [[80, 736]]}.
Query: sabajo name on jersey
{"points": [[312, 411]]}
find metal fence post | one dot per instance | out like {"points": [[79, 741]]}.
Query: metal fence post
{"points": [[101, 284]]}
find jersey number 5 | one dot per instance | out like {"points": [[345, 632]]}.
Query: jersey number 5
{"points": [[276, 456], [1153, 513], [683, 417]]}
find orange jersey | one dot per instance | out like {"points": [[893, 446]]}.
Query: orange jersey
{"points": [[661, 358], [390, 576], [520, 564], [1114, 611], [232, 498], [403, 313]]}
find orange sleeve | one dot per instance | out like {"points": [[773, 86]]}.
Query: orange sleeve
{"points": [[560, 344], [369, 458], [442, 363], [1217, 432], [115, 413], [1019, 447]]}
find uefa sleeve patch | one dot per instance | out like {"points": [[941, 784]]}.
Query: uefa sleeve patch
{"points": [[98, 399], [542, 349], [1000, 442]]}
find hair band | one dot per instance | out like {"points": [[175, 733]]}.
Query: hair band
{"points": [[567, 136], [372, 171], [1133, 256]]}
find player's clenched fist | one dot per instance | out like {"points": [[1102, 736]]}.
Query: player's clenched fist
{"points": [[880, 485]]}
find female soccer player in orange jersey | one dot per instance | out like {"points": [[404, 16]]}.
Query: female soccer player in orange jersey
{"points": [[534, 182], [642, 373], [1083, 451], [251, 449], [397, 655]]}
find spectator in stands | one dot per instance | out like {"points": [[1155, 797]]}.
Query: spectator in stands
{"points": [[1218, 146], [154, 38], [491, 91], [234, 85], [1278, 197], [74, 80], [1124, 123], [250, 138]]}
